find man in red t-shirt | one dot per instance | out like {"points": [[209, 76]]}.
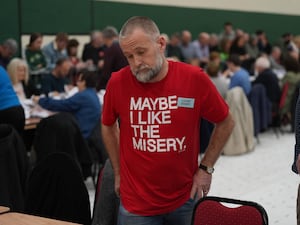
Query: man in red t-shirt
{"points": [[150, 124]]}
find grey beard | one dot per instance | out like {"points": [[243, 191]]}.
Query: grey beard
{"points": [[145, 77]]}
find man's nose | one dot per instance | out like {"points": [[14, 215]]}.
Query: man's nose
{"points": [[137, 61]]}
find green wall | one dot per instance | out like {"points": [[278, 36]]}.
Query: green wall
{"points": [[51, 16], [81, 16], [9, 20]]}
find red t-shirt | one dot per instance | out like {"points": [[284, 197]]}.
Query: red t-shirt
{"points": [[159, 134]]}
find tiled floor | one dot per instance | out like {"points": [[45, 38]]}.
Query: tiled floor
{"points": [[263, 175]]}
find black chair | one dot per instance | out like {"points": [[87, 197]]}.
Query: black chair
{"points": [[61, 133], [106, 203], [261, 107], [98, 151], [14, 167], [56, 190], [293, 106], [216, 211]]}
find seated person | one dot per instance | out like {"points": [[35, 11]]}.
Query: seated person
{"points": [[276, 58], [186, 45], [114, 58], [239, 77], [7, 50], [173, 50], [220, 82], [72, 51], [215, 57], [11, 111], [269, 79], [292, 79], [77, 64], [84, 105], [201, 46], [55, 50], [93, 52], [34, 55], [17, 70], [57, 79]]}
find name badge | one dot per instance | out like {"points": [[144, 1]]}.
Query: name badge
{"points": [[186, 102]]}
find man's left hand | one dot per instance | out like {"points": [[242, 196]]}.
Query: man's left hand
{"points": [[201, 184]]}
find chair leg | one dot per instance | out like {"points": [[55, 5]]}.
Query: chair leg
{"points": [[276, 131], [257, 139], [95, 170]]}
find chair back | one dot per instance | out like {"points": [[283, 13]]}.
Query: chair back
{"points": [[212, 211], [106, 203], [14, 167], [241, 139], [96, 145], [56, 190], [98, 151], [60, 133], [283, 96], [262, 108]]}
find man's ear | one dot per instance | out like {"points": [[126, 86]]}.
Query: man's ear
{"points": [[162, 43]]}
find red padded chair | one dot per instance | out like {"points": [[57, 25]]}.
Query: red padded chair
{"points": [[284, 92], [211, 211]]}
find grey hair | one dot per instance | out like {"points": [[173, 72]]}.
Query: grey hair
{"points": [[144, 23], [11, 44], [276, 48], [263, 62], [110, 32], [95, 33]]}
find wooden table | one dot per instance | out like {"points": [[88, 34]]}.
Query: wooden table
{"points": [[13, 218], [4, 209]]}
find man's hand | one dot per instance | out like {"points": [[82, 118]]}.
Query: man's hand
{"points": [[117, 184], [35, 98], [100, 64], [201, 184]]}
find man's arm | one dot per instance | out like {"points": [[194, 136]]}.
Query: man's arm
{"points": [[71, 104], [220, 135], [110, 135], [217, 141]]}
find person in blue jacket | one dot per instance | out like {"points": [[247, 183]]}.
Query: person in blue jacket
{"points": [[11, 110], [84, 105]]}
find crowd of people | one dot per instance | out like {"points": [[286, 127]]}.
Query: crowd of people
{"points": [[152, 82], [232, 54]]}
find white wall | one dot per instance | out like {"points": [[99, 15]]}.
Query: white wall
{"points": [[289, 7]]}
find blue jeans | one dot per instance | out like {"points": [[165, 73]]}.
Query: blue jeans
{"points": [[180, 216]]}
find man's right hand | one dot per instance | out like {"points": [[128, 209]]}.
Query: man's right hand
{"points": [[117, 184]]}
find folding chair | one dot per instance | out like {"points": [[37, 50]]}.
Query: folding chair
{"points": [[284, 92], [106, 202], [211, 211], [98, 152]]}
